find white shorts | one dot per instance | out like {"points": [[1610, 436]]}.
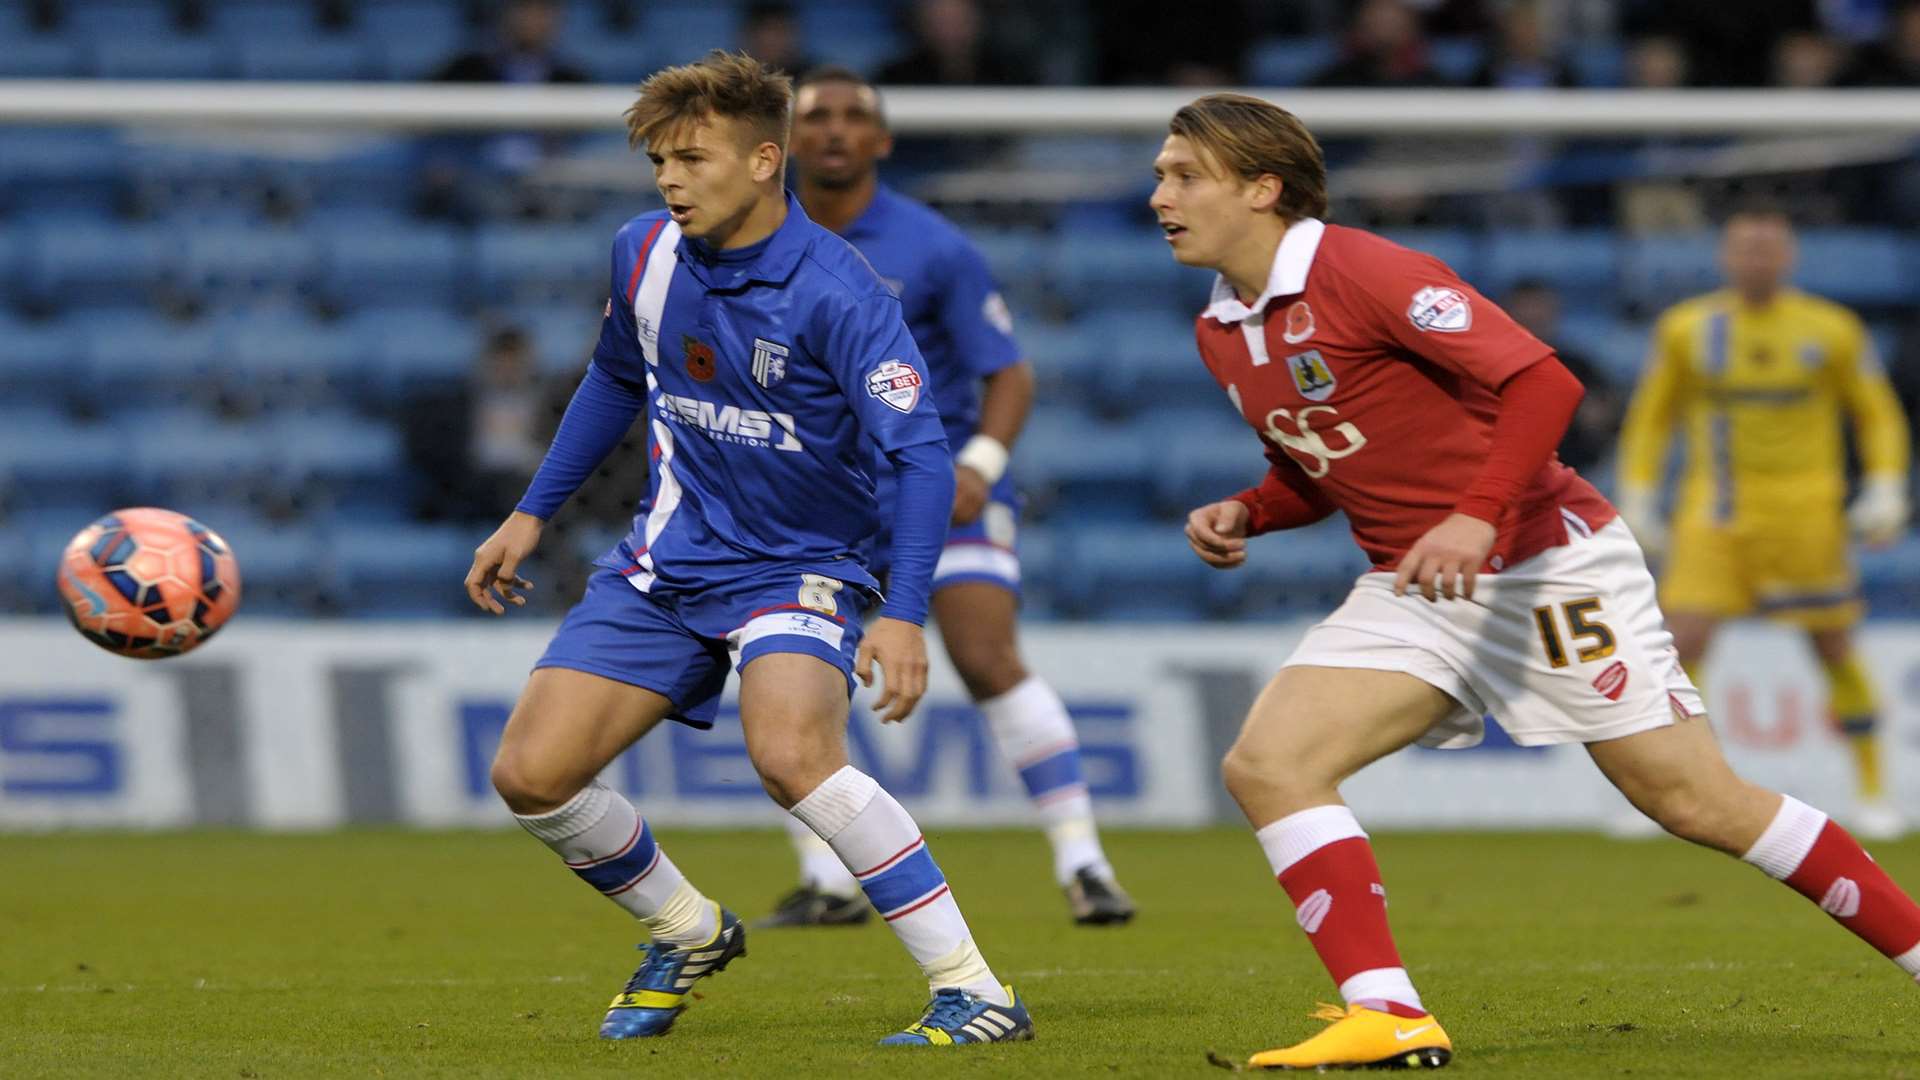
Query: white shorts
{"points": [[1568, 646]]}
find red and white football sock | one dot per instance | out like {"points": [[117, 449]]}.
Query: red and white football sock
{"points": [[1322, 858], [1822, 862], [876, 838]]}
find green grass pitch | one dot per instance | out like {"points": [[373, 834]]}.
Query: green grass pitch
{"points": [[395, 954]]}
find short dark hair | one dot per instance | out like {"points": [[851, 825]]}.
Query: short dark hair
{"points": [[1760, 206]]}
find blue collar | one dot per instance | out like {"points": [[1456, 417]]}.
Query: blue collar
{"points": [[872, 218], [771, 261]]}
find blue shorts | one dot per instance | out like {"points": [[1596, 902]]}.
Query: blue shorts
{"points": [[986, 549], [680, 644]]}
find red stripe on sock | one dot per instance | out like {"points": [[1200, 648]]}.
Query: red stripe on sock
{"points": [[1339, 901], [1848, 885], [894, 858], [931, 897], [638, 824]]}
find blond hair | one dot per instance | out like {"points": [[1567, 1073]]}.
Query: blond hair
{"points": [[1251, 138], [733, 85]]}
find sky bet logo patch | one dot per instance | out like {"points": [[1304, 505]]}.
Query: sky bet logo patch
{"points": [[897, 384], [1438, 308]]}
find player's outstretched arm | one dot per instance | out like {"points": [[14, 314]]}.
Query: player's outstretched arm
{"points": [[495, 575], [1218, 533]]}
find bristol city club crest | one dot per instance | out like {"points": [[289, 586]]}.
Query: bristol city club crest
{"points": [[769, 362], [1311, 376], [699, 357], [897, 384]]}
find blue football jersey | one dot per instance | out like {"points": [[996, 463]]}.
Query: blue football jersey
{"points": [[952, 304], [770, 373]]}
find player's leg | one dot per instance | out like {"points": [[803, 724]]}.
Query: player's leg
{"points": [[1678, 777], [793, 707], [1310, 730], [580, 709], [1854, 709], [979, 624]]}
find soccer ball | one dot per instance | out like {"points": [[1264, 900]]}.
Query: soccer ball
{"points": [[148, 583]]}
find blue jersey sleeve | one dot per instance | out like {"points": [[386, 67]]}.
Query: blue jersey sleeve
{"points": [[618, 350], [975, 314], [880, 370]]}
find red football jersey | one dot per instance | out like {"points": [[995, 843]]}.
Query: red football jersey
{"points": [[1376, 370]]}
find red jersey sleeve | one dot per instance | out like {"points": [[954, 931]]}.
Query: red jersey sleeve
{"points": [[1285, 499], [1419, 303]]}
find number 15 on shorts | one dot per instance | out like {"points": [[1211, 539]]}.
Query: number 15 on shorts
{"points": [[1593, 638]]}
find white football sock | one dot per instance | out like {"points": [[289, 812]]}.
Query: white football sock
{"points": [[877, 840], [1031, 726], [604, 841], [820, 868]]}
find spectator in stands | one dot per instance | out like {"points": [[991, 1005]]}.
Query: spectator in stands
{"points": [[1657, 62], [1806, 60], [1177, 45], [1895, 60], [1525, 58], [471, 177], [770, 33], [1588, 444], [1727, 44], [523, 52], [1385, 48], [950, 49], [479, 441]]}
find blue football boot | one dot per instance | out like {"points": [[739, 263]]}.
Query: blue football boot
{"points": [[657, 993], [957, 1018]]}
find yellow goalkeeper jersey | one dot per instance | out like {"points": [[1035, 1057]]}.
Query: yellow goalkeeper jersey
{"points": [[1763, 392]]}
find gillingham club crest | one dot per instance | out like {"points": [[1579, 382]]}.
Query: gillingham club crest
{"points": [[1311, 376], [897, 384], [769, 362]]}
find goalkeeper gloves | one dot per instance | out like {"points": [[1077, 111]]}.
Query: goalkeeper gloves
{"points": [[1879, 512]]}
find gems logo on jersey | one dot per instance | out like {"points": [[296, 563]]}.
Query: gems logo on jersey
{"points": [[1440, 309], [1311, 376], [699, 357], [769, 362], [896, 384], [731, 423]]}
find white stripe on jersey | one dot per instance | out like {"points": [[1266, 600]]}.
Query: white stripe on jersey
{"points": [[1254, 329], [649, 308]]}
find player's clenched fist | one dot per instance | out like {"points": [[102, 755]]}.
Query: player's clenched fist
{"points": [[496, 564], [1218, 533], [1450, 554], [900, 647]]}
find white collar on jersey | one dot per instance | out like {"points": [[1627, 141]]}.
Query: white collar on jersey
{"points": [[1288, 276]]}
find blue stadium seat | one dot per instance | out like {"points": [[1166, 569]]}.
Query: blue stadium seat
{"points": [[40, 358], [683, 29], [612, 59], [1582, 263], [1203, 455], [1891, 577], [1134, 571], [402, 569], [135, 360], [1866, 267], [45, 463], [1290, 61], [1117, 269], [392, 261], [1302, 571], [312, 58], [412, 38], [119, 21], [1458, 248], [563, 335], [1618, 348], [283, 565], [1085, 468], [1019, 259], [1067, 357], [243, 262], [41, 58], [865, 51], [409, 345], [76, 264], [271, 361], [1598, 63], [183, 458], [1658, 270], [246, 21], [528, 261], [1456, 59], [160, 57], [335, 458], [66, 170], [1150, 362]]}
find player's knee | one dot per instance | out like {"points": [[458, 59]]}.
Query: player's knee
{"points": [[1251, 776], [791, 771], [989, 668], [527, 788]]}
